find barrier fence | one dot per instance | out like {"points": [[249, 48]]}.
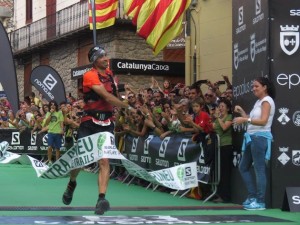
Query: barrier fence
{"points": [[150, 152]]}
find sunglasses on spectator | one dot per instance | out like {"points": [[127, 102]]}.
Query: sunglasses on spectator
{"points": [[131, 96], [208, 95]]}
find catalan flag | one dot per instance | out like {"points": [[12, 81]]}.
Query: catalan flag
{"points": [[132, 9], [159, 22], [105, 13]]}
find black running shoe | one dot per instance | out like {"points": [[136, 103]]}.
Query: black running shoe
{"points": [[68, 195], [102, 206]]}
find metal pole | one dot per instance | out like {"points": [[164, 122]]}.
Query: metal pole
{"points": [[94, 22]]}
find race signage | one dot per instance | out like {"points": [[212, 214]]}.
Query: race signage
{"points": [[47, 81], [102, 145]]}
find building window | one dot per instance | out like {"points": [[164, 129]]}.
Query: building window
{"points": [[28, 11]]}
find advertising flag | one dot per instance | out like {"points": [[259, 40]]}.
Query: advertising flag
{"points": [[47, 81], [8, 77], [159, 22], [105, 13]]}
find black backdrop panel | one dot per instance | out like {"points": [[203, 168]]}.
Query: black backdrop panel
{"points": [[250, 47], [250, 59], [285, 69]]}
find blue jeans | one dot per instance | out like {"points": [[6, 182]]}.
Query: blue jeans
{"points": [[255, 153]]}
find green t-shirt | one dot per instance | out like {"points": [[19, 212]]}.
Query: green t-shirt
{"points": [[225, 135], [54, 126]]}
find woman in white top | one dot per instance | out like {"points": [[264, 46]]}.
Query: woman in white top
{"points": [[257, 142]]}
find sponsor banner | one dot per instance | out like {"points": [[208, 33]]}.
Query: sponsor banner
{"points": [[102, 145], [284, 67], [8, 77], [285, 30], [6, 156], [47, 81], [26, 142], [153, 153], [78, 72], [250, 47], [139, 67], [126, 66], [250, 59], [150, 152]]}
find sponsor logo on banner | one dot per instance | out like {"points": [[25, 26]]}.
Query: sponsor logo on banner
{"points": [[296, 118], [236, 159], [180, 174], [296, 157], [142, 66], [283, 118], [3, 147], [241, 15], [33, 138], [201, 156], [49, 82], [295, 12], [257, 7], [289, 39], [288, 79], [134, 145], [241, 24], [146, 144], [283, 158], [45, 139], [15, 138], [258, 13], [134, 157], [45, 89], [163, 147], [239, 56], [257, 47], [181, 150], [242, 89], [100, 143]]}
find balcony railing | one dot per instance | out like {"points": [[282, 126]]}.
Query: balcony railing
{"points": [[65, 21]]}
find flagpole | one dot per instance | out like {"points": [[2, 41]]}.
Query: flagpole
{"points": [[94, 22]]}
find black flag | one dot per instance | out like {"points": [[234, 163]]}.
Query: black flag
{"points": [[47, 80], [8, 77]]}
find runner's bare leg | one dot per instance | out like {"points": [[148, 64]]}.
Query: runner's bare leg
{"points": [[103, 177]]}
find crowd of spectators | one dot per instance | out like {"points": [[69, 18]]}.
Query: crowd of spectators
{"points": [[171, 110], [180, 109], [160, 110]]}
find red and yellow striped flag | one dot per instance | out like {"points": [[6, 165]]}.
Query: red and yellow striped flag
{"points": [[132, 9], [159, 22], [105, 13]]}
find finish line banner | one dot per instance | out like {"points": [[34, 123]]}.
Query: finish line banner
{"points": [[101, 145]]}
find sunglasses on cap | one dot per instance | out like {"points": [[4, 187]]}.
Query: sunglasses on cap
{"points": [[208, 95], [98, 53]]}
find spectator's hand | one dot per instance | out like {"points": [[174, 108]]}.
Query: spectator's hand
{"points": [[126, 127], [145, 110], [162, 136], [238, 109], [166, 116], [226, 78], [188, 119], [149, 123], [209, 84], [127, 87]]}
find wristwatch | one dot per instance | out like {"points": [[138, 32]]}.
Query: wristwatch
{"points": [[249, 120]]}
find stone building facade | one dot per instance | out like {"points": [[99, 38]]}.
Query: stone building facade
{"points": [[67, 46], [119, 42]]}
